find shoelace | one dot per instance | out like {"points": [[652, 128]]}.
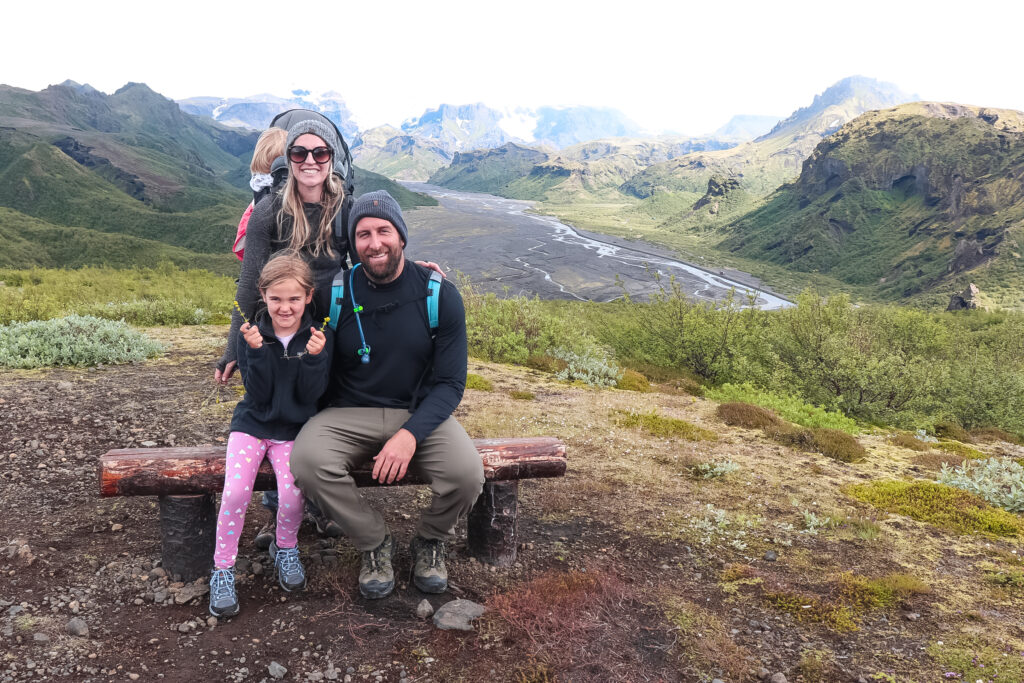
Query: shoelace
{"points": [[288, 560], [222, 583], [373, 559], [436, 553]]}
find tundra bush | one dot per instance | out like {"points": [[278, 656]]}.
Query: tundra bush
{"points": [[74, 340], [999, 481]]}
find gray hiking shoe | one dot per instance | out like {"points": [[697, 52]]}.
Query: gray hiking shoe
{"points": [[428, 570], [290, 573], [376, 577], [324, 526], [223, 598], [267, 533]]}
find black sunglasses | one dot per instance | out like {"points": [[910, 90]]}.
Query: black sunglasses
{"points": [[321, 155]]}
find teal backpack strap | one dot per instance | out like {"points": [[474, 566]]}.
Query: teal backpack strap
{"points": [[433, 294], [337, 295]]}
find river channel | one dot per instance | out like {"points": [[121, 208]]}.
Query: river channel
{"points": [[504, 248]]}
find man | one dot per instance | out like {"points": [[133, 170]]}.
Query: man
{"points": [[394, 385]]}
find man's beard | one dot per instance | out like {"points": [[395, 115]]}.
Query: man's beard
{"points": [[384, 272]]}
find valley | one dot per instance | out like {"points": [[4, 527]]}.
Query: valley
{"points": [[501, 246]]}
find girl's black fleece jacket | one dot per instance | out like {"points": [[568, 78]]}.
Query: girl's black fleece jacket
{"points": [[282, 386], [407, 369]]}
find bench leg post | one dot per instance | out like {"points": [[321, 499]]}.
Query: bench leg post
{"points": [[492, 524], [188, 525]]}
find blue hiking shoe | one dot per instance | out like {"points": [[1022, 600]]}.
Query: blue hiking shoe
{"points": [[290, 573], [223, 598]]}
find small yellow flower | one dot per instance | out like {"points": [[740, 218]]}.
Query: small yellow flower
{"points": [[326, 320], [239, 309]]}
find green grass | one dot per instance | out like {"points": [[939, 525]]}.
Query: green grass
{"points": [[944, 506], [974, 659], [479, 383], [164, 295], [660, 425]]}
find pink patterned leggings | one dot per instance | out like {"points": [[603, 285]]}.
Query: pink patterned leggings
{"points": [[245, 453]]}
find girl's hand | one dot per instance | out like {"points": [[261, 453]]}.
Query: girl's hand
{"points": [[433, 266], [252, 335], [316, 341]]}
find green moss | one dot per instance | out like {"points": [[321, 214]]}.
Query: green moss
{"points": [[943, 506], [974, 660], [957, 448], [1011, 578], [809, 609], [522, 395], [479, 383], [886, 591], [659, 425]]}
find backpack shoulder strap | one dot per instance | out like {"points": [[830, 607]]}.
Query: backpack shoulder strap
{"points": [[337, 297], [433, 295]]}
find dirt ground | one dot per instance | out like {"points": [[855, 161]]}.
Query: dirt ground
{"points": [[629, 568]]}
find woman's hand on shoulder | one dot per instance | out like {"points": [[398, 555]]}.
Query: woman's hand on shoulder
{"points": [[433, 266], [252, 335]]}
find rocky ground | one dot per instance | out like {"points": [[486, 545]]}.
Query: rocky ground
{"points": [[629, 569]]}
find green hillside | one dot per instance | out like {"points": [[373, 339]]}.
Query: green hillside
{"points": [[490, 170], [905, 201], [367, 181], [32, 243], [394, 154]]}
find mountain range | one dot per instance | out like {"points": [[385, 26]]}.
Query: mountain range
{"points": [[124, 179]]}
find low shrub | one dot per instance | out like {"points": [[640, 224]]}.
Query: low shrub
{"points": [[989, 434], [479, 383], [786, 407], [521, 395], [837, 445], [714, 469], [659, 425], [951, 430], [944, 506], [546, 363], [999, 481], [747, 415], [75, 340], [591, 367], [631, 380], [831, 443], [935, 461], [905, 440]]}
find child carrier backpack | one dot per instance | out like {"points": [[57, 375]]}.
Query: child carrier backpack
{"points": [[343, 168]]}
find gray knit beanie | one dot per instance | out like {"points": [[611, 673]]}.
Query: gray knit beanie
{"points": [[317, 128], [377, 204]]}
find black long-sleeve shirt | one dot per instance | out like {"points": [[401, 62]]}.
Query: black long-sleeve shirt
{"points": [[402, 354], [263, 238], [282, 386]]}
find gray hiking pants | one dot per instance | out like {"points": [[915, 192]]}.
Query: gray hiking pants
{"points": [[339, 440]]}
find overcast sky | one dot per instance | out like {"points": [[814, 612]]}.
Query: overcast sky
{"points": [[677, 65]]}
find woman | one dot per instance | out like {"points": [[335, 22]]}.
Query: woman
{"points": [[300, 218]]}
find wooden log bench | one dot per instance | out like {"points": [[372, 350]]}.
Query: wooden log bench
{"points": [[185, 480]]}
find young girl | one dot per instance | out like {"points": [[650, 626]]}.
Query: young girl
{"points": [[284, 361], [269, 146]]}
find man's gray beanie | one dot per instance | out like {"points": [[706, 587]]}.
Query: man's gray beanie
{"points": [[317, 128], [378, 204]]}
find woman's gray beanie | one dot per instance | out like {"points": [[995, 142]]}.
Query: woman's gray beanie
{"points": [[378, 204], [317, 128]]}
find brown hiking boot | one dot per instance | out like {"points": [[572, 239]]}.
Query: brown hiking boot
{"points": [[376, 577], [429, 572]]}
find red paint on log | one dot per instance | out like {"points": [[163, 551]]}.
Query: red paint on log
{"points": [[200, 469]]}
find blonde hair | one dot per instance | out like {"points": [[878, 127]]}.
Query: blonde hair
{"points": [[318, 239], [286, 265], [269, 146]]}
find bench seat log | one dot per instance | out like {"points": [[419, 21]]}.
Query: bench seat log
{"points": [[185, 477]]}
